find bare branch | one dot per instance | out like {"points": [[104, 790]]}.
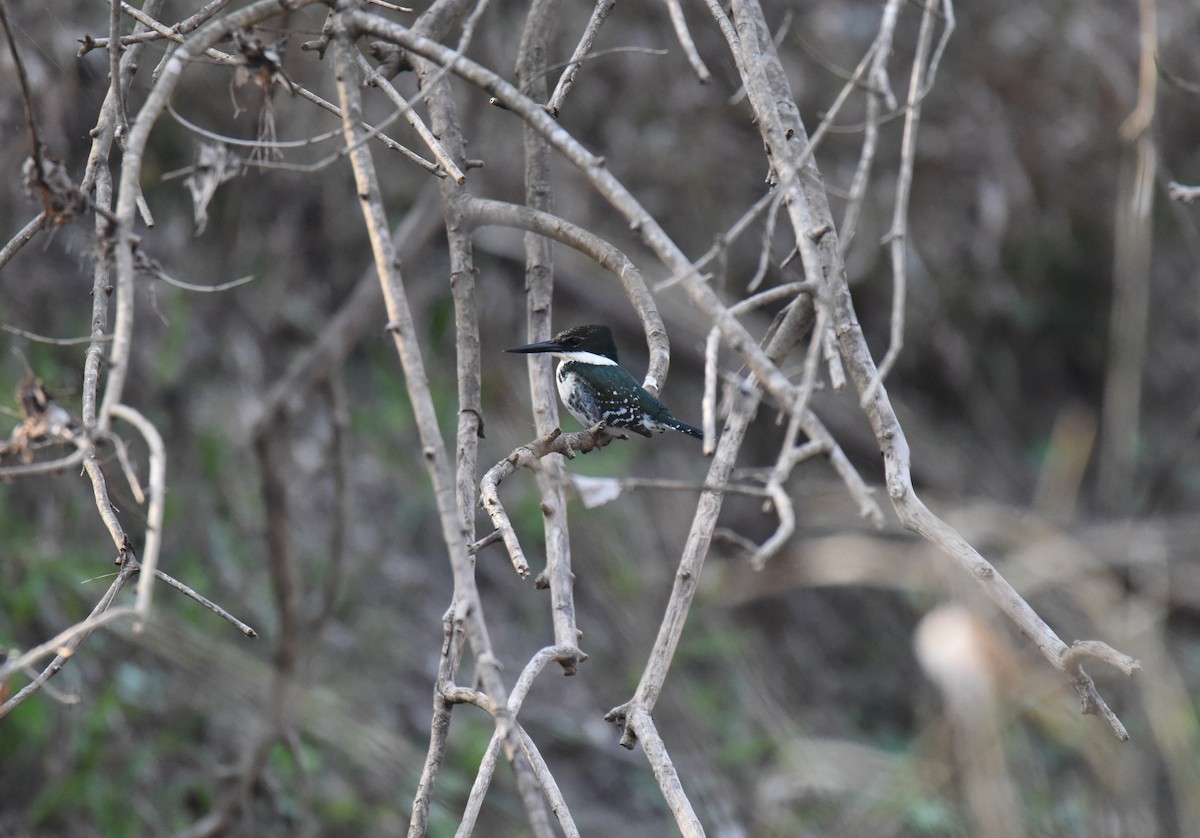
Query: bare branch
{"points": [[555, 442], [192, 593], [154, 514], [487, 766], [63, 646], [640, 722], [444, 160], [22, 237], [403, 329], [679, 22], [582, 50], [171, 34], [36, 338], [898, 235]]}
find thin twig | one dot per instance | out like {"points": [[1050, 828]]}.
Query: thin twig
{"points": [[679, 22], [373, 77], [582, 49], [154, 513], [170, 34], [36, 338], [35, 141], [64, 644], [203, 289], [22, 237], [192, 593], [898, 234]]}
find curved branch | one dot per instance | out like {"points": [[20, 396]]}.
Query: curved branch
{"points": [[154, 513], [555, 442], [482, 212]]}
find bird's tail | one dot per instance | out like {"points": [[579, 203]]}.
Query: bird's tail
{"points": [[684, 427]]}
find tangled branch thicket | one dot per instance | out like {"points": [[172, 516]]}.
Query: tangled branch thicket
{"points": [[452, 127]]}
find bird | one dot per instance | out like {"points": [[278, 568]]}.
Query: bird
{"points": [[595, 388]]}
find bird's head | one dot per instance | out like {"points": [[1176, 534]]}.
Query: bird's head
{"points": [[590, 344]]}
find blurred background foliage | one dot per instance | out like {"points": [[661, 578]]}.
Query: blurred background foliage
{"points": [[796, 705]]}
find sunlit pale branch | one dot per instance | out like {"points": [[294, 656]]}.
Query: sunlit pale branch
{"points": [[1178, 192], [596, 491], [1081, 650], [708, 403]]}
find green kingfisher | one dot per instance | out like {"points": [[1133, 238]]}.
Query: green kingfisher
{"points": [[595, 388]]}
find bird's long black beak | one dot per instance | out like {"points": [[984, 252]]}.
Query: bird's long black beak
{"points": [[529, 348]]}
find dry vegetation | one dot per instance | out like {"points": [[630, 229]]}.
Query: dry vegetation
{"points": [[259, 267]]}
